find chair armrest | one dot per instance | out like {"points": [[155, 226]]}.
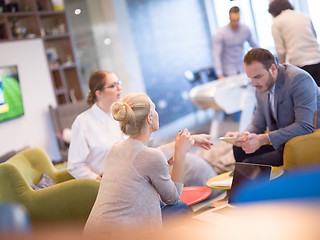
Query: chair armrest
{"points": [[62, 176], [14, 187], [302, 151], [68, 201]]}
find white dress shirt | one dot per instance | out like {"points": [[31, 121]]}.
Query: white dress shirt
{"points": [[93, 133]]}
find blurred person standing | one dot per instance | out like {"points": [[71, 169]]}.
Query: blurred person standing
{"points": [[228, 49], [295, 38]]}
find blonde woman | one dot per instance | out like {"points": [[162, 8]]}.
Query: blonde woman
{"points": [[135, 174]]}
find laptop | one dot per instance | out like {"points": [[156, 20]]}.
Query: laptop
{"points": [[244, 173]]}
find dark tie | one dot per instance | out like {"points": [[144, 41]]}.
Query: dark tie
{"points": [[273, 120]]}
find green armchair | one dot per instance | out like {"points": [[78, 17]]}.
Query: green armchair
{"points": [[68, 200]]}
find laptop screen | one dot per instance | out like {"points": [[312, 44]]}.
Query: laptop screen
{"points": [[246, 173]]}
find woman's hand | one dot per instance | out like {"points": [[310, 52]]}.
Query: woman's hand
{"points": [[182, 145], [202, 140], [99, 178], [184, 142], [171, 161]]}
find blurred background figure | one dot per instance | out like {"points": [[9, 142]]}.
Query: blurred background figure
{"points": [[14, 219], [228, 52], [228, 45], [295, 38]]}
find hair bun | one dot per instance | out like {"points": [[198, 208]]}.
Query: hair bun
{"points": [[121, 112]]}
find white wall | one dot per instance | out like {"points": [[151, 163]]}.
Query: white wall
{"points": [[99, 20], [34, 128], [110, 18]]}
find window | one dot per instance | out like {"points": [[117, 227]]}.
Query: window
{"points": [[263, 22], [314, 6]]}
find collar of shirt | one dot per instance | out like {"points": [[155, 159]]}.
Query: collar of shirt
{"points": [[271, 92], [101, 115]]}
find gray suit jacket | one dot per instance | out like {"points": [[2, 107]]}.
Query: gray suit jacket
{"points": [[296, 99]]}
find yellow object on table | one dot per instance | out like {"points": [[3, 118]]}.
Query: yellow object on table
{"points": [[224, 180], [224, 177]]}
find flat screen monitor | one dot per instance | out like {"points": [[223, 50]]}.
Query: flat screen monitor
{"points": [[11, 105]]}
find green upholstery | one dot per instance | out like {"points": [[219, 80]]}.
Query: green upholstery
{"points": [[302, 151], [69, 200]]}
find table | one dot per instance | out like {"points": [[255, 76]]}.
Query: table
{"points": [[194, 194], [276, 172]]}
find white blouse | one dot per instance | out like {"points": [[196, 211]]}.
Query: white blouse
{"points": [[93, 134]]}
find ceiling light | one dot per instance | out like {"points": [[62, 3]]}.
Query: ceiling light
{"points": [[107, 41], [77, 11]]}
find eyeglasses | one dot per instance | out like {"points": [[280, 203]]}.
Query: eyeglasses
{"points": [[115, 85]]}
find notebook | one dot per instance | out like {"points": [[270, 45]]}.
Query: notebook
{"points": [[244, 173]]}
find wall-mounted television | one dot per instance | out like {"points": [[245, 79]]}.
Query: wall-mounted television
{"points": [[11, 105]]}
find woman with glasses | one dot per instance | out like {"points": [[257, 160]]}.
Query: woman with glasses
{"points": [[95, 131]]}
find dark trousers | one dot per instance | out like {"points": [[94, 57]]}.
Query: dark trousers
{"points": [[179, 209], [264, 155], [314, 71]]}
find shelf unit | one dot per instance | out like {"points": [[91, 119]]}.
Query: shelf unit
{"points": [[31, 19]]}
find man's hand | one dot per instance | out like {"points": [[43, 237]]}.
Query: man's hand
{"points": [[202, 140], [242, 136], [253, 142]]}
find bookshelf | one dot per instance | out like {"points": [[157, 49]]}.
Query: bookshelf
{"points": [[30, 19]]}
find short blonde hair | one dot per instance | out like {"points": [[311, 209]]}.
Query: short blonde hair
{"points": [[131, 112]]}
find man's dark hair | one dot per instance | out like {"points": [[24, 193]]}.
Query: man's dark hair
{"points": [[260, 55], [234, 10], [277, 6]]}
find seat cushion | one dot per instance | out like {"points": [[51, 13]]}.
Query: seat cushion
{"points": [[302, 151], [45, 181]]}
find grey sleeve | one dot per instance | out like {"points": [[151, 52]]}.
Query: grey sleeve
{"points": [[305, 105], [152, 165]]}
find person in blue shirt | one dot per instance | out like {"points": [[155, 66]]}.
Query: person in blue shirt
{"points": [[228, 46]]}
